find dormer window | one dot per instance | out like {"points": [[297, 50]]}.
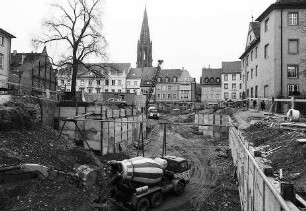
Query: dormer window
{"points": [[218, 80], [174, 79], [167, 79], [158, 79], [206, 80], [212, 80]]}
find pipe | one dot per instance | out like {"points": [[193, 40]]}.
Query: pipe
{"points": [[281, 81]]}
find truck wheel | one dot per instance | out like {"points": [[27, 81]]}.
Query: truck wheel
{"points": [[180, 187], [156, 199], [143, 204]]}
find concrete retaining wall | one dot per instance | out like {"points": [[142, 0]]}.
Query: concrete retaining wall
{"points": [[212, 119], [257, 191]]}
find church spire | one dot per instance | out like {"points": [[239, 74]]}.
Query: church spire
{"points": [[144, 46]]}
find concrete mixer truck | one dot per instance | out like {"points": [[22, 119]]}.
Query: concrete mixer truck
{"points": [[140, 183]]}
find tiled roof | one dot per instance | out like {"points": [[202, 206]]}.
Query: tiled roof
{"points": [[169, 73], [147, 74], [2, 31], [135, 73], [16, 59], [231, 67], [256, 28], [211, 73]]}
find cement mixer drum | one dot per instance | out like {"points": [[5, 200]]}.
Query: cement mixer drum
{"points": [[141, 169]]}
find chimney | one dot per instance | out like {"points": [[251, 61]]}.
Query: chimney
{"points": [[23, 58], [14, 52]]}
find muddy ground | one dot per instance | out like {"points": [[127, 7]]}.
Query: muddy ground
{"points": [[212, 186]]}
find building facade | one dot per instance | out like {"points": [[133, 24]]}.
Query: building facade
{"points": [[144, 45], [211, 86], [273, 63], [5, 56], [231, 88], [112, 79], [32, 72], [133, 81]]}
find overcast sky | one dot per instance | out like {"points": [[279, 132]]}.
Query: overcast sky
{"points": [[185, 33]]}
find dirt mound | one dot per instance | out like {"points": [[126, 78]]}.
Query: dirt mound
{"points": [[40, 145]]}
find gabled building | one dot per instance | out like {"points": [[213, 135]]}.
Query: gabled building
{"points": [[33, 72], [133, 81], [231, 88], [107, 77], [5, 57], [211, 86], [273, 62]]}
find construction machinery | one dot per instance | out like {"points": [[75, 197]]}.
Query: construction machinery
{"points": [[140, 183], [153, 113]]}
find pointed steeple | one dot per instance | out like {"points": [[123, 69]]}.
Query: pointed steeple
{"points": [[144, 45]]}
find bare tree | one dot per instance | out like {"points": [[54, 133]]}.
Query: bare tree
{"points": [[78, 28]]}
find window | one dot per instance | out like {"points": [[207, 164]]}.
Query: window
{"points": [[174, 96], [119, 82], [167, 79], [119, 90], [169, 87], [89, 82], [233, 77], [225, 77], [256, 49], [240, 86], [98, 90], [106, 90], [158, 96], [169, 96], [1, 41], [256, 70], [293, 46], [252, 92], [266, 51], [248, 92], [68, 82], [292, 71], [225, 86], [113, 82], [212, 80], [113, 90], [247, 60], [62, 82], [234, 95], [225, 95], [174, 79], [127, 91], [135, 83], [256, 91], [267, 25], [106, 82], [158, 79], [206, 80], [218, 80], [247, 76], [233, 86], [164, 96], [128, 83], [293, 89], [242, 62], [251, 73], [68, 90], [293, 18], [89, 90], [98, 82], [251, 55]]}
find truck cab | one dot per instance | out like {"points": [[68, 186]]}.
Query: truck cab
{"points": [[179, 167], [153, 113]]}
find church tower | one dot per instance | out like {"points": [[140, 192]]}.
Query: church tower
{"points": [[144, 45]]}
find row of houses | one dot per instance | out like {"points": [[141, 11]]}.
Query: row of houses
{"points": [[273, 62]]}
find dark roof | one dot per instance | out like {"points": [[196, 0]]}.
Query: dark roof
{"points": [[283, 4], [256, 28], [16, 59], [169, 73], [211, 73], [2, 31], [231, 67], [135, 73]]}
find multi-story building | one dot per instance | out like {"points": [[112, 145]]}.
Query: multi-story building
{"points": [[111, 78], [231, 87], [211, 86], [5, 56], [273, 63], [187, 87], [133, 81], [32, 72]]}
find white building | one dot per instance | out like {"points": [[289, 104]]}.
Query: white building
{"points": [[231, 88], [211, 86], [89, 82], [133, 81], [5, 56]]}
